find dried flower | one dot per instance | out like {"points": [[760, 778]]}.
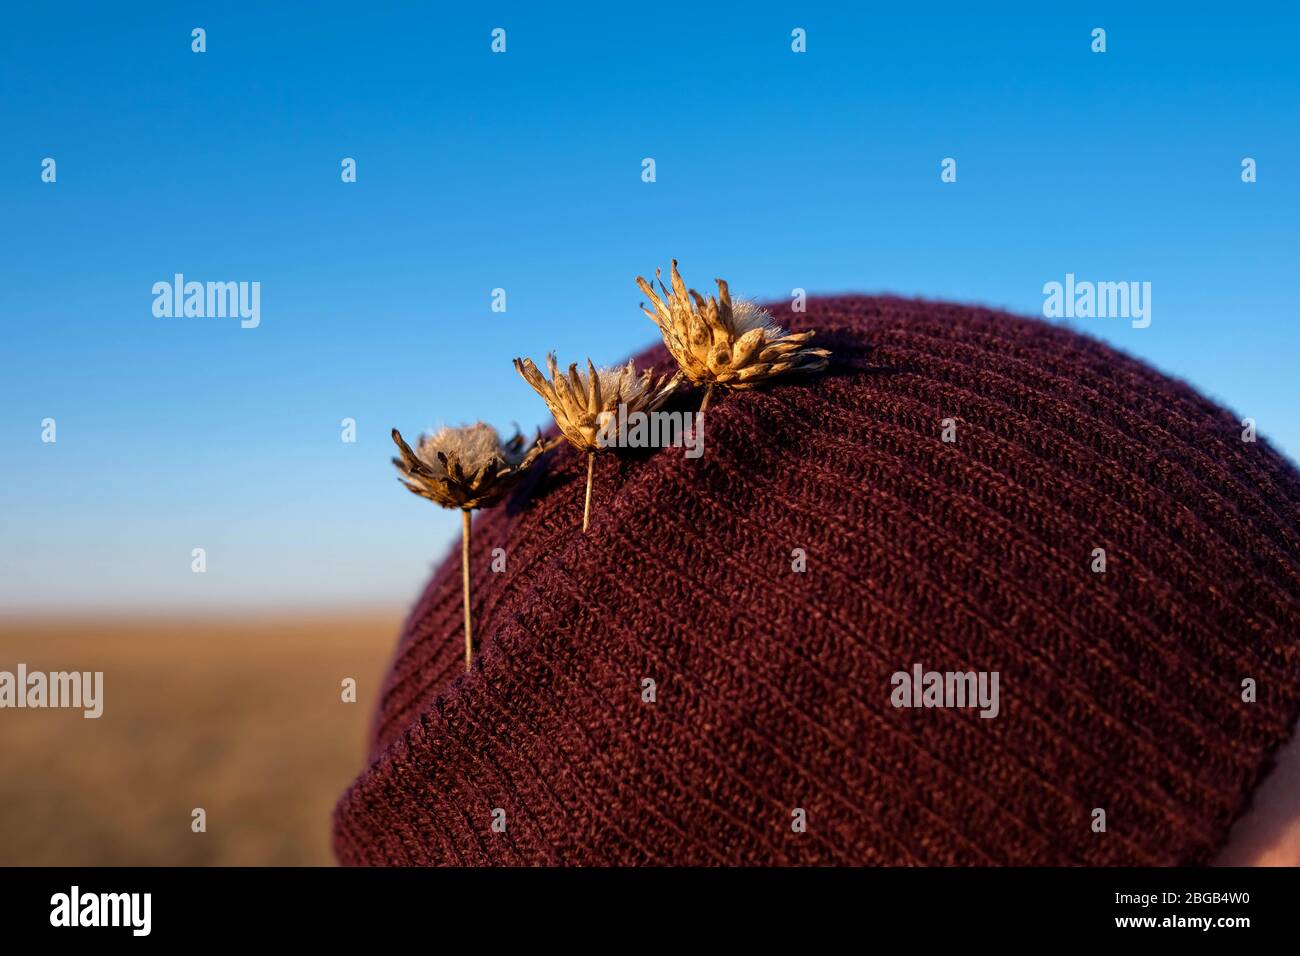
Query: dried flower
{"points": [[580, 401], [723, 344], [466, 468]]}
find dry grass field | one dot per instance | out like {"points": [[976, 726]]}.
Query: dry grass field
{"points": [[242, 716], [239, 715]]}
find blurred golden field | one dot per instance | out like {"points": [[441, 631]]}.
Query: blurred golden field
{"points": [[239, 715]]}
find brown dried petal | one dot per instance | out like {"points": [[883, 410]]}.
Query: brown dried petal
{"points": [[746, 346]]}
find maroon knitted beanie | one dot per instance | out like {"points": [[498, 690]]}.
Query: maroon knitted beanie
{"points": [[828, 544]]}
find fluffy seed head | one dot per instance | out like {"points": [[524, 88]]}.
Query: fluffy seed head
{"points": [[465, 467]]}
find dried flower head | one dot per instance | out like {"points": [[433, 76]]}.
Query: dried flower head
{"points": [[581, 402], [720, 343], [466, 467], [580, 399]]}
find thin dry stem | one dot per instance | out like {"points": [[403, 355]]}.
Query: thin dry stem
{"points": [[586, 509], [708, 394], [464, 575]]}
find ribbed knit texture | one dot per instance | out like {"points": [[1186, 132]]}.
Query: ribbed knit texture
{"points": [[1120, 690]]}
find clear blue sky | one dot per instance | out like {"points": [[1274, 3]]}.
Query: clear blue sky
{"points": [[522, 171]]}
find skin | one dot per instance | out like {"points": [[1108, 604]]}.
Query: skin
{"points": [[1269, 833]]}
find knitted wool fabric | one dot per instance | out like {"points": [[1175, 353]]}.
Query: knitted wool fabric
{"points": [[1120, 690]]}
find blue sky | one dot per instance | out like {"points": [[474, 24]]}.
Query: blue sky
{"points": [[523, 171]]}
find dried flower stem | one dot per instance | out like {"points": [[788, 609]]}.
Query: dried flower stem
{"points": [[467, 468], [708, 394], [586, 509], [464, 575]]}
